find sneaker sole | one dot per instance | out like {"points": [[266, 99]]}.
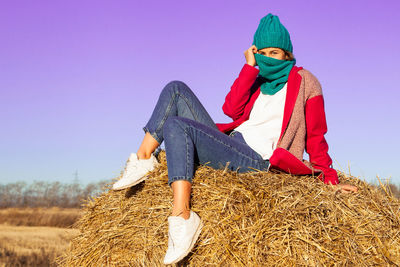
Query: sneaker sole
{"points": [[196, 236], [132, 184]]}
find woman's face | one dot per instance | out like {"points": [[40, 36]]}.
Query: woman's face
{"points": [[274, 52]]}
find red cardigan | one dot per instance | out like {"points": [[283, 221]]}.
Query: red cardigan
{"points": [[238, 105]]}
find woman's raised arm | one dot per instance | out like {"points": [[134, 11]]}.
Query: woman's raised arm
{"points": [[240, 92]]}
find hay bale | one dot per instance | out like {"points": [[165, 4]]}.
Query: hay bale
{"points": [[250, 219]]}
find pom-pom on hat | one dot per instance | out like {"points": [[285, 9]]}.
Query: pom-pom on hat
{"points": [[271, 33]]}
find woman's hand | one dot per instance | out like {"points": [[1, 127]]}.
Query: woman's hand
{"points": [[249, 54], [346, 188]]}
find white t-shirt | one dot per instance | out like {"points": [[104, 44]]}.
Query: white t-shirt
{"points": [[263, 128]]}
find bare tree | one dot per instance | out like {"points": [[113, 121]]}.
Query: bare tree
{"points": [[47, 194]]}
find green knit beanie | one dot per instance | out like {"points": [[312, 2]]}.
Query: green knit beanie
{"points": [[271, 33]]}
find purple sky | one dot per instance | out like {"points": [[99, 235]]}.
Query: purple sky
{"points": [[79, 79]]}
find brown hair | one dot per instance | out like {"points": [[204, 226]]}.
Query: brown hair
{"points": [[289, 55]]}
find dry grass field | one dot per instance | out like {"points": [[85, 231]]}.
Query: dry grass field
{"points": [[35, 236], [55, 217], [257, 219], [33, 245]]}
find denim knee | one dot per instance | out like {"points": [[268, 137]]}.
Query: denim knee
{"points": [[176, 86]]}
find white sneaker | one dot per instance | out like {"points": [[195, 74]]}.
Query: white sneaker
{"points": [[182, 236], [135, 171]]}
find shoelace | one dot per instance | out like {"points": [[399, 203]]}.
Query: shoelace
{"points": [[131, 165]]}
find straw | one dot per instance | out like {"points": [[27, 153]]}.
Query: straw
{"points": [[250, 219]]}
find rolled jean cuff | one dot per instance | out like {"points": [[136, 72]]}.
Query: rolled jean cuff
{"points": [[178, 178], [154, 135]]}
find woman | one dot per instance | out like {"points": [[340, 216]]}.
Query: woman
{"points": [[277, 112]]}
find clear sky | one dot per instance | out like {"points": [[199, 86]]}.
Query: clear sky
{"points": [[79, 79]]}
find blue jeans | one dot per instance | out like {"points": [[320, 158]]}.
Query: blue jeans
{"points": [[192, 138]]}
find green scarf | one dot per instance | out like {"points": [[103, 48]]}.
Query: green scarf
{"points": [[274, 71]]}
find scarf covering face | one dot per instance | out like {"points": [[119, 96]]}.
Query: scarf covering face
{"points": [[274, 71]]}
